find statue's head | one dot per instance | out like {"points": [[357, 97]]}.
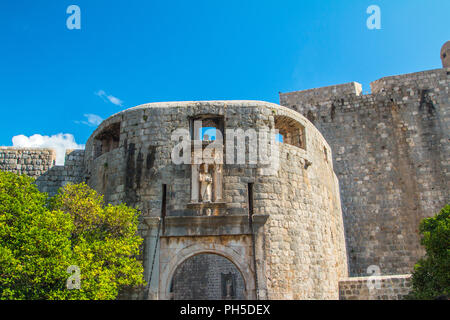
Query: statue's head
{"points": [[205, 167]]}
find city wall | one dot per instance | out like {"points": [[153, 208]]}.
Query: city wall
{"points": [[391, 156]]}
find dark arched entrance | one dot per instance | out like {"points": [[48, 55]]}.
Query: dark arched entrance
{"points": [[207, 276]]}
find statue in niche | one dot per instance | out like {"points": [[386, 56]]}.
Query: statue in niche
{"points": [[206, 181], [228, 288]]}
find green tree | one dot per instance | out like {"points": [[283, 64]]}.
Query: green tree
{"points": [[40, 239], [35, 248], [431, 276]]}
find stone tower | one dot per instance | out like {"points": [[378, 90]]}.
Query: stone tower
{"points": [[445, 55], [228, 230]]}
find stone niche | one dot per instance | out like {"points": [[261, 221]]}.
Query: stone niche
{"points": [[207, 166], [293, 132], [207, 184], [207, 276], [107, 140]]}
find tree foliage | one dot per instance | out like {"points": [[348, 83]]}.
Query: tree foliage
{"points": [[431, 276], [41, 238]]}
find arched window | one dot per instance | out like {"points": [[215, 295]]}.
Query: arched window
{"points": [[107, 140], [292, 132]]}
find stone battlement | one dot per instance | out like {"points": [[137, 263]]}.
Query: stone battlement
{"points": [[319, 94], [39, 163], [394, 287], [33, 162], [352, 91], [411, 80]]}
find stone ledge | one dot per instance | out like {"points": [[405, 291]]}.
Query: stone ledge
{"points": [[383, 277], [211, 225], [197, 205], [385, 287], [216, 208]]}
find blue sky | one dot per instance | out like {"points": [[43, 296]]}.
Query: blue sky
{"points": [[59, 81]]}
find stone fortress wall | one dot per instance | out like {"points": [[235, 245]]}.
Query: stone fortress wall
{"points": [[278, 236], [299, 245], [58, 176], [391, 156], [392, 287], [30, 161], [39, 163]]}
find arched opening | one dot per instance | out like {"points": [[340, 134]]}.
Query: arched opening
{"points": [[207, 276], [107, 140], [290, 131]]}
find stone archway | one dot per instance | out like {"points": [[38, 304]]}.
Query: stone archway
{"points": [[207, 276], [241, 264]]}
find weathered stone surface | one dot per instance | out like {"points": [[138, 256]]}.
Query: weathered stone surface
{"points": [[445, 55], [395, 287], [391, 155], [30, 161], [276, 234], [40, 164], [301, 246], [207, 277]]}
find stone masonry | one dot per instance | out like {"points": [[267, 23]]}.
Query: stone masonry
{"points": [[202, 277], [375, 288], [40, 165], [277, 229], [299, 244], [392, 156], [32, 162]]}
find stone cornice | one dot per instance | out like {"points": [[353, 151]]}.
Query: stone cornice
{"points": [[211, 225]]}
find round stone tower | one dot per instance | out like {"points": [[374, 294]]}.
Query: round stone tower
{"points": [[445, 55], [230, 209]]}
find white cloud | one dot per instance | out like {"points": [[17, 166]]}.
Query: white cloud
{"points": [[106, 97], [60, 142], [93, 120], [115, 100], [101, 93]]}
